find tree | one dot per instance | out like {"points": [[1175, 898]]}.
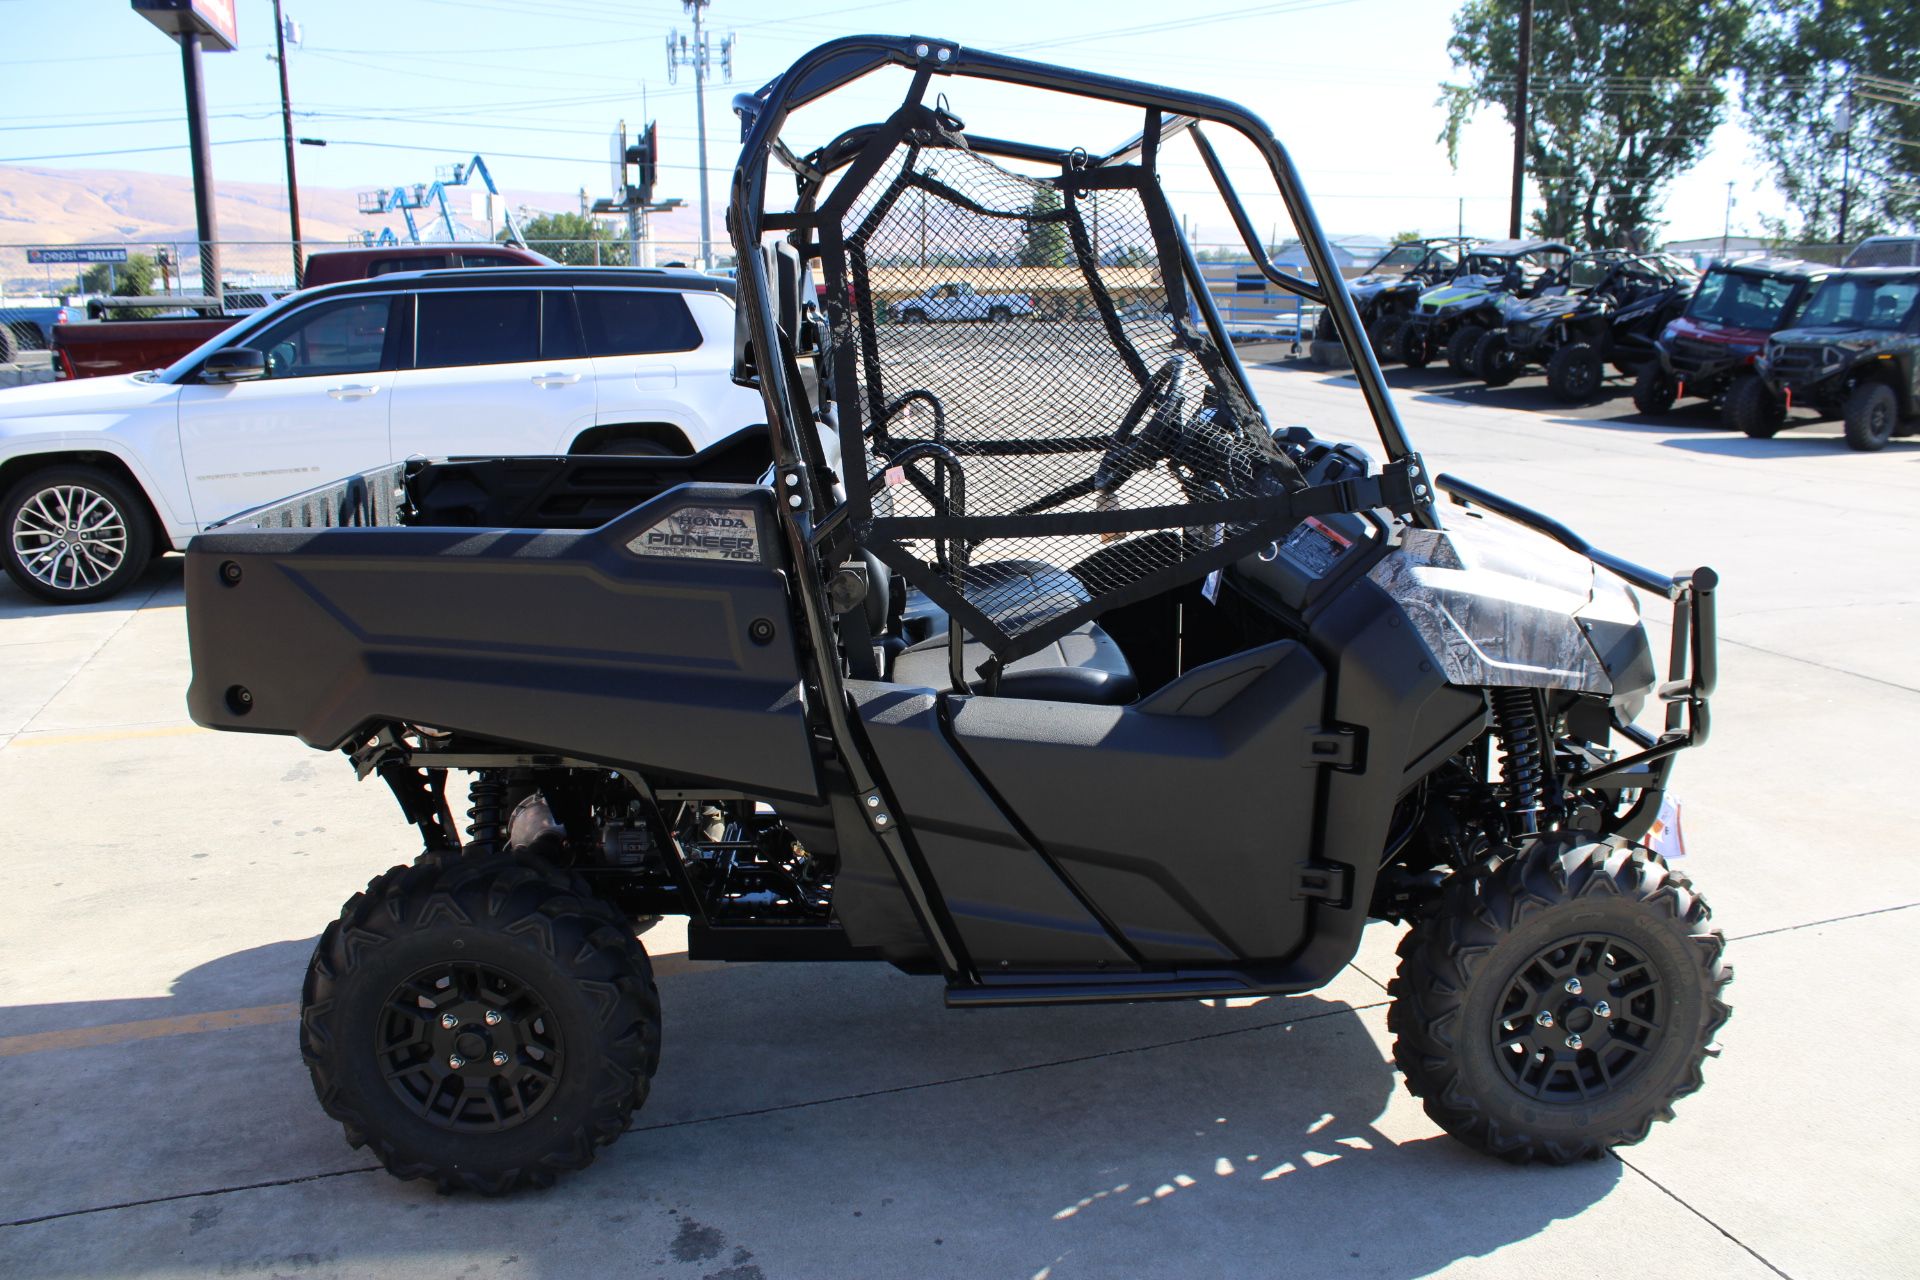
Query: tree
{"points": [[1046, 242], [1401, 237], [1624, 96], [574, 239], [1805, 59], [130, 279]]}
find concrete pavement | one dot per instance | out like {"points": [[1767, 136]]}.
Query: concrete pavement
{"points": [[165, 886]]}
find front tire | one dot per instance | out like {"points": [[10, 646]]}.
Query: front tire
{"points": [[74, 534], [1654, 391], [1381, 334], [1460, 348], [1495, 362], [1752, 409], [1410, 345], [482, 1022], [1558, 1004], [1574, 372], [1872, 415]]}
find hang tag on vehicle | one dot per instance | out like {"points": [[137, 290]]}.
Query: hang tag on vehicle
{"points": [[1210, 589], [1664, 837]]}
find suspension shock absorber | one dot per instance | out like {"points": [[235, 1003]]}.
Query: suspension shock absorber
{"points": [[486, 813], [1523, 762]]}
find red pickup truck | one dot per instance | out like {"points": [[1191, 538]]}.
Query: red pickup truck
{"points": [[95, 348]]}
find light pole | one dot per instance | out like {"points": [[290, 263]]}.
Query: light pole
{"points": [[681, 53]]}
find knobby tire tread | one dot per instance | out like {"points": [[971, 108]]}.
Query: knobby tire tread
{"points": [[1440, 954], [581, 931]]}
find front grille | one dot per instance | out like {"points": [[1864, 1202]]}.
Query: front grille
{"points": [[1689, 354], [1797, 360]]}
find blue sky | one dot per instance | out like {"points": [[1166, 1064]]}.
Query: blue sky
{"points": [[535, 86]]}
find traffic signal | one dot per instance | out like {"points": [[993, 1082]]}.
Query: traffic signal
{"points": [[644, 156]]}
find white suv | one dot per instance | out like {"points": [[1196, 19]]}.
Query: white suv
{"points": [[99, 475]]}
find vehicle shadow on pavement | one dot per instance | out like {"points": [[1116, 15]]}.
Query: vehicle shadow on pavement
{"points": [[804, 1116], [160, 584]]}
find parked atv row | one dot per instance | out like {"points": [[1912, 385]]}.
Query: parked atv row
{"points": [[1752, 337], [1613, 310]]}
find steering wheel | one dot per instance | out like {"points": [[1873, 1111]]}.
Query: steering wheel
{"points": [[1132, 451]]}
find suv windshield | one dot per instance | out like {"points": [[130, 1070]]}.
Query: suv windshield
{"points": [[1742, 300], [1863, 304]]}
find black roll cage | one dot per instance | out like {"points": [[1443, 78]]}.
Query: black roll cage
{"points": [[840, 62]]}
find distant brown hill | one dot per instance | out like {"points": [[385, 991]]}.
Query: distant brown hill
{"points": [[114, 206]]}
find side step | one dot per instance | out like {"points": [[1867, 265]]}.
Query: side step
{"points": [[1001, 990]]}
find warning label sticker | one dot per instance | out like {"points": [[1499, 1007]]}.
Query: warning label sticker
{"points": [[703, 533]]}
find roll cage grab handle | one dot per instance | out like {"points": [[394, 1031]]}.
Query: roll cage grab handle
{"points": [[838, 63]]}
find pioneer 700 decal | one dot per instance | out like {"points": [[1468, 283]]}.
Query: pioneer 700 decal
{"points": [[702, 533]]}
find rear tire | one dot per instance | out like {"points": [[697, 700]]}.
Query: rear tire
{"points": [[1654, 391], [999, 313], [480, 1022], [913, 316], [1410, 345], [1460, 348], [1556, 932], [74, 534], [1752, 409], [1872, 416], [1574, 373]]}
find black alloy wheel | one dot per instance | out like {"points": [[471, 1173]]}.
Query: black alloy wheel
{"points": [[485, 1022], [1871, 415], [1654, 390], [1410, 346], [1381, 334], [468, 1046], [1495, 362], [1557, 1002], [1574, 372], [1460, 348], [1579, 1017], [1752, 408]]}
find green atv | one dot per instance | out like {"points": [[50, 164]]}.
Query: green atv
{"points": [[1451, 318], [1386, 293]]}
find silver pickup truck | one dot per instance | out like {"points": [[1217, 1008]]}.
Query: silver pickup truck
{"points": [[960, 302]]}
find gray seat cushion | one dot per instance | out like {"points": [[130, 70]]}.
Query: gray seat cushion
{"points": [[1085, 665]]}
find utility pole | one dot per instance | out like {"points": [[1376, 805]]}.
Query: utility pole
{"points": [[1843, 120], [1520, 117], [286, 124], [680, 53], [1726, 228]]}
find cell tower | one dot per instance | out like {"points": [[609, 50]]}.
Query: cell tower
{"points": [[696, 53]]}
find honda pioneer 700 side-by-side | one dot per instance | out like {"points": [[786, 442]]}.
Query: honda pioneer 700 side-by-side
{"points": [[1031, 657]]}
